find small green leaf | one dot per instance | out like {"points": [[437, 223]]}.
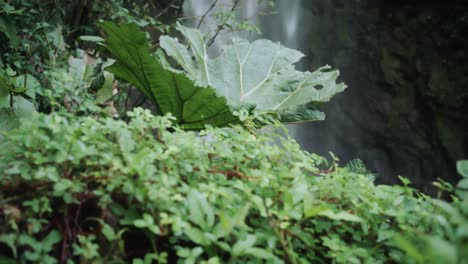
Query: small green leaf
{"points": [[9, 9], [327, 212], [108, 232], [145, 222], [10, 241], [404, 180], [310, 211], [463, 184], [51, 239], [62, 186], [409, 248], [30, 241], [200, 210], [345, 216], [197, 236], [57, 38], [302, 113], [260, 253], [462, 168], [106, 90], [92, 39], [241, 245], [126, 142]]}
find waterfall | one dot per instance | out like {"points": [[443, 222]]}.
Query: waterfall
{"points": [[287, 24], [281, 26]]}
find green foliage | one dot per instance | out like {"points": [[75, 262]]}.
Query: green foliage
{"points": [[39, 40], [149, 191], [33, 40], [452, 245], [192, 105], [259, 73], [80, 87]]}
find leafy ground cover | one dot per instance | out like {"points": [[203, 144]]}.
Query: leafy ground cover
{"points": [[87, 190]]}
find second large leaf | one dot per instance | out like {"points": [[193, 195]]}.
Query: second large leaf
{"points": [[260, 73]]}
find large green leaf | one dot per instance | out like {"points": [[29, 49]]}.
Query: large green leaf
{"points": [[259, 73], [194, 106]]}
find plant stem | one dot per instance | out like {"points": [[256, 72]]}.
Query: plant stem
{"points": [[220, 27], [165, 9], [206, 13]]}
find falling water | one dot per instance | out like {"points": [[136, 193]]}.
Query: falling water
{"points": [[283, 27]]}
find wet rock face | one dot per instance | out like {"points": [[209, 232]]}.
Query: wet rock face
{"points": [[405, 63]]}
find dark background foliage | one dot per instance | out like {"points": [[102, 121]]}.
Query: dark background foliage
{"points": [[405, 64]]}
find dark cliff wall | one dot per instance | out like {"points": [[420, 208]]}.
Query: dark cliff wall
{"points": [[406, 65]]}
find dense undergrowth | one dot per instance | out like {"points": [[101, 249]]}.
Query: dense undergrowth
{"points": [[84, 190]]}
